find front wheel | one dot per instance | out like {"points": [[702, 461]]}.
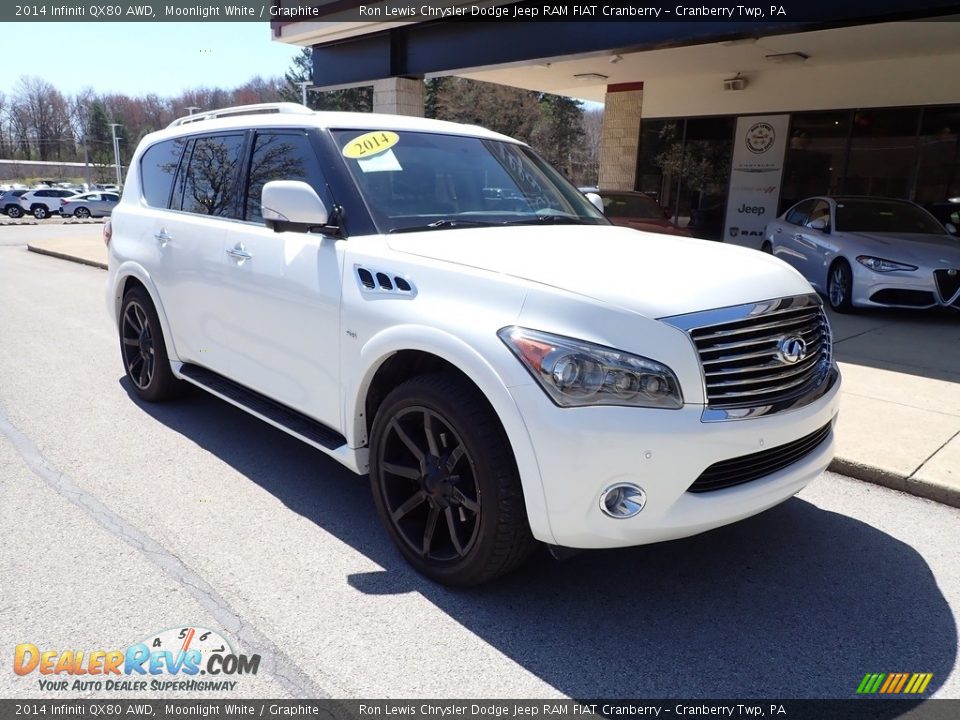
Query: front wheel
{"points": [[143, 349], [840, 287], [14, 211], [445, 482]]}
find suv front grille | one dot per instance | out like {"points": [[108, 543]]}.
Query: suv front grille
{"points": [[947, 284], [761, 357], [739, 470]]}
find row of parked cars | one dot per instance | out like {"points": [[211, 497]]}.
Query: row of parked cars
{"points": [[46, 202]]}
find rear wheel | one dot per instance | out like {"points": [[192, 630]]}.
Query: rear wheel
{"points": [[840, 286], [82, 213], [14, 211], [40, 212], [143, 349], [445, 482]]}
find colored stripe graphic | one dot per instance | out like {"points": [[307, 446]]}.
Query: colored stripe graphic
{"points": [[894, 683]]}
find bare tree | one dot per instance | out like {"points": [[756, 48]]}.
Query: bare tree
{"points": [[44, 118], [592, 131]]}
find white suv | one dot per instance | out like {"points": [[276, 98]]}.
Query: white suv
{"points": [[507, 366], [44, 202]]}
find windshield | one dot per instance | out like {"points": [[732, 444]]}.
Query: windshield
{"points": [[425, 181], [885, 217]]}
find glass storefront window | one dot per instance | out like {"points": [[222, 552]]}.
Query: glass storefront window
{"points": [[708, 152], [938, 168], [883, 152], [816, 155], [656, 137]]}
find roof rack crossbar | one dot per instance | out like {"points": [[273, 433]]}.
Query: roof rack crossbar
{"points": [[279, 107]]}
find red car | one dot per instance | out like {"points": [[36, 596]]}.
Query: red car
{"points": [[638, 211]]}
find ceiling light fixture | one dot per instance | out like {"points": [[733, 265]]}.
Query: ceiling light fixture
{"points": [[789, 57], [591, 77]]}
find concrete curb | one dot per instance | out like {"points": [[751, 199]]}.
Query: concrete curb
{"points": [[65, 256], [878, 476]]}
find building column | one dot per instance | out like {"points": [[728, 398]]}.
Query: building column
{"points": [[398, 96], [620, 136]]}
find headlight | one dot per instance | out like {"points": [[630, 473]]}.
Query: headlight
{"points": [[880, 265], [576, 373]]}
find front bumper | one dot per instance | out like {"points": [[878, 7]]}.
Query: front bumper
{"points": [[582, 451], [902, 289]]}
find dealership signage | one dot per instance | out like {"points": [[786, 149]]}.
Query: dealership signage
{"points": [[759, 146]]}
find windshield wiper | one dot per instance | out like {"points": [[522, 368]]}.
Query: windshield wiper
{"points": [[549, 220], [445, 223]]}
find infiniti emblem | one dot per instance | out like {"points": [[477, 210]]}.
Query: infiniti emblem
{"points": [[792, 349]]}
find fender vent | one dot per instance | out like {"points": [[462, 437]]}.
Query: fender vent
{"points": [[377, 282]]}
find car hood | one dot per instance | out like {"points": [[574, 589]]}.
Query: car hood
{"points": [[914, 248], [649, 273]]}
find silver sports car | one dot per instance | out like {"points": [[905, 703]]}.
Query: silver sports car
{"points": [[869, 252]]}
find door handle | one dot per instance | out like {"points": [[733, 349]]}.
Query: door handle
{"points": [[163, 237], [239, 253]]}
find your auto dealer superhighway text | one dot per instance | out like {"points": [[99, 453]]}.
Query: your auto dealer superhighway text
{"points": [[533, 11]]}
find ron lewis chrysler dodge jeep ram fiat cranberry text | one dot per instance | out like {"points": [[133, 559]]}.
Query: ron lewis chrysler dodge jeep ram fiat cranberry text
{"points": [[434, 305]]}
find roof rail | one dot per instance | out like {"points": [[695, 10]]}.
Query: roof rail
{"points": [[280, 107]]}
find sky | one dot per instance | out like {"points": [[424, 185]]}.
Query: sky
{"points": [[140, 58]]}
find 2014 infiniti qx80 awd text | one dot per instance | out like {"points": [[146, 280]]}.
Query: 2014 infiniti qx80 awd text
{"points": [[435, 305]]}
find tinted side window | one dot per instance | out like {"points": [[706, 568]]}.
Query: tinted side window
{"points": [[798, 215], [280, 156], [211, 180], [157, 168], [820, 211]]}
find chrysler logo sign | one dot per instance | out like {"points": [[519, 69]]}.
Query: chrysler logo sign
{"points": [[792, 349]]}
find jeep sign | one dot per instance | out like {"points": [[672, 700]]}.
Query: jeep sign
{"points": [[758, 152]]}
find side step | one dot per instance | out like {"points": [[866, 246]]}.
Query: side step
{"points": [[281, 416]]}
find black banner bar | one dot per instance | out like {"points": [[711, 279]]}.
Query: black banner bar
{"points": [[283, 11], [866, 708]]}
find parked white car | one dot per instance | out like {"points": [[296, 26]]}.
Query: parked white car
{"points": [[869, 252], [44, 202], [505, 376]]}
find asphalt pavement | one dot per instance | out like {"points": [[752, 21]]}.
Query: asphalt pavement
{"points": [[122, 519]]}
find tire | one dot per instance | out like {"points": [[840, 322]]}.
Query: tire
{"points": [[14, 211], [767, 248], [143, 350], [82, 213], [463, 522], [840, 286], [40, 212]]}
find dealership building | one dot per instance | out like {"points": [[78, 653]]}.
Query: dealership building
{"points": [[726, 122]]}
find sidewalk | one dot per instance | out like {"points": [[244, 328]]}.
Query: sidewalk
{"points": [[899, 422]]}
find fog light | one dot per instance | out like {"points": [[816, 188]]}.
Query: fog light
{"points": [[623, 500]]}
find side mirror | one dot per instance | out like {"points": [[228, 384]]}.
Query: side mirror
{"points": [[292, 202], [818, 224], [596, 200], [951, 228]]}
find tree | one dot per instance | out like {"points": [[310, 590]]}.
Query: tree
{"points": [[99, 140], [503, 109], [559, 134], [43, 119]]}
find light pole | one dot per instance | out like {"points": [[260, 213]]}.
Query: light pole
{"points": [[191, 108], [304, 84], [116, 150]]}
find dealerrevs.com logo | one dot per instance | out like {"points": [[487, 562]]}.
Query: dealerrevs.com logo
{"points": [[171, 660]]}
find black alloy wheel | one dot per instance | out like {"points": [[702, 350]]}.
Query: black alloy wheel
{"points": [[429, 485], [445, 481], [143, 349]]}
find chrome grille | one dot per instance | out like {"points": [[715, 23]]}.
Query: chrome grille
{"points": [[747, 358]]}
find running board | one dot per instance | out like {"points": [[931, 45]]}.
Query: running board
{"points": [[280, 416]]}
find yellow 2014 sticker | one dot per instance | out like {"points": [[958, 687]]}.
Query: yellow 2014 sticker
{"points": [[371, 143]]}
